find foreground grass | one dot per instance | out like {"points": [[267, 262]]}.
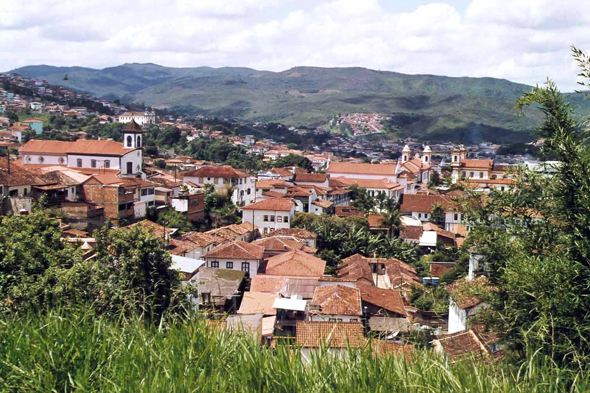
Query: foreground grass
{"points": [[77, 351]]}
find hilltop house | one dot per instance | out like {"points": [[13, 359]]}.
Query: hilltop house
{"points": [[225, 178], [270, 214], [141, 118]]}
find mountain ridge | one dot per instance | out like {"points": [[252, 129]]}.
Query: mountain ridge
{"points": [[421, 105]]}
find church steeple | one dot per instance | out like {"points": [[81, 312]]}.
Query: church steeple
{"points": [[132, 136]]}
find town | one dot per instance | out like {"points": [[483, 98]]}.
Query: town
{"points": [[252, 242]]}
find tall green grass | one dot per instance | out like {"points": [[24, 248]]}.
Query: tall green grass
{"points": [[68, 351]]}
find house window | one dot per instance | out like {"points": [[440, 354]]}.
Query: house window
{"points": [[93, 163], [286, 219], [272, 218], [229, 265], [200, 180], [41, 159], [61, 160], [79, 163], [129, 167], [107, 164], [279, 218], [265, 219], [481, 175], [456, 217], [215, 264], [248, 191], [471, 174], [138, 141], [419, 215], [246, 268], [129, 141]]}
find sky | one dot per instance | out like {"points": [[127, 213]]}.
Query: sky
{"points": [[521, 40]]}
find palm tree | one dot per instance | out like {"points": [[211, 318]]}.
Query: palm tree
{"points": [[393, 221]]}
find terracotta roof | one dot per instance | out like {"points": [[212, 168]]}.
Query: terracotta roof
{"points": [[298, 191], [356, 267], [132, 126], [274, 204], [150, 226], [270, 184], [348, 211], [468, 293], [441, 232], [295, 232], [416, 165], [295, 263], [236, 250], [332, 334], [438, 269], [423, 203], [275, 243], [383, 184], [411, 232], [359, 267], [479, 164], [258, 303], [388, 299], [222, 284], [201, 239], [311, 177], [362, 169], [283, 172], [461, 345], [273, 194], [18, 175], [375, 220], [243, 228], [338, 300], [323, 204], [223, 171], [46, 147], [285, 286], [81, 146]]}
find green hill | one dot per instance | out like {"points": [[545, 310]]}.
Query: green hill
{"points": [[424, 106]]}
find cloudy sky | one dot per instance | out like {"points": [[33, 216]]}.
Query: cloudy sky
{"points": [[520, 40]]}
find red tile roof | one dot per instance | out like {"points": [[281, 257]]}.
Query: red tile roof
{"points": [[270, 184], [295, 263], [285, 286], [223, 171], [311, 177], [375, 220], [258, 303], [411, 232], [348, 211], [460, 345], [361, 169], [423, 203], [338, 300], [200, 239], [279, 244], [271, 204], [295, 232], [237, 250], [382, 184], [81, 146], [477, 164], [388, 299], [332, 334], [437, 269]]}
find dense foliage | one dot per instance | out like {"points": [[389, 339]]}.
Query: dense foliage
{"points": [[536, 241], [339, 238], [130, 271]]}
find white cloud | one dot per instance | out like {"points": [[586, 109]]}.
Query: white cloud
{"points": [[521, 40]]}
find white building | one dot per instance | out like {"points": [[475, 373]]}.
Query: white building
{"points": [[93, 154], [238, 255], [465, 301], [270, 214], [141, 118], [225, 178]]}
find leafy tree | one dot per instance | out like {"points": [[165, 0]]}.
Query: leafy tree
{"points": [[535, 240], [361, 199], [294, 160], [34, 263], [437, 214], [131, 273], [175, 219]]}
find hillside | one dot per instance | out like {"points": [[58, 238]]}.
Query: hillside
{"points": [[425, 106]]}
